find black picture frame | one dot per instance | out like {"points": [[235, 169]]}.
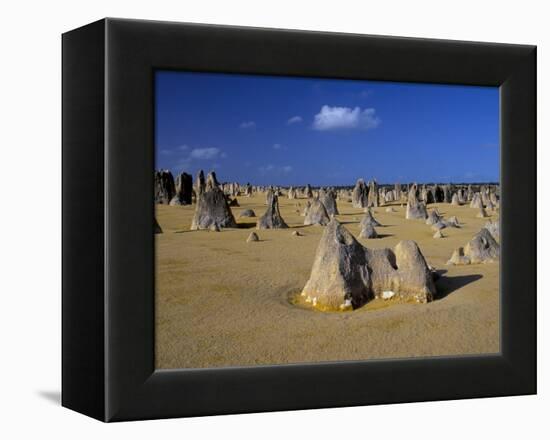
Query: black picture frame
{"points": [[108, 244]]}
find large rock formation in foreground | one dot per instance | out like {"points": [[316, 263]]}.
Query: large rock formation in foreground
{"points": [[272, 218], [347, 275], [212, 211], [482, 248]]}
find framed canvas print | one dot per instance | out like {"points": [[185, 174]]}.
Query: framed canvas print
{"points": [[261, 220]]}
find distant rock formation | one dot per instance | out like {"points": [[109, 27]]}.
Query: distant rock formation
{"points": [[482, 213], [372, 196], [456, 200], [438, 234], [328, 199], [359, 195], [482, 248], [308, 192], [164, 187], [272, 218], [345, 275], [316, 214], [291, 193], [200, 184], [183, 190], [212, 209], [252, 237], [476, 201], [415, 208]]}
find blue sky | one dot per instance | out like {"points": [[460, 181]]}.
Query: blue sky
{"points": [[293, 131]]}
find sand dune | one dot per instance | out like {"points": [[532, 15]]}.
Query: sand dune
{"points": [[221, 301]]}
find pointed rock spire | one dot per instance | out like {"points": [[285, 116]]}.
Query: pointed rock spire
{"points": [[212, 208], [272, 218]]}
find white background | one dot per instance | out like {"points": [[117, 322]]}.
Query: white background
{"points": [[30, 188]]}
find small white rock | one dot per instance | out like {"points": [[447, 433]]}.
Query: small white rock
{"points": [[387, 294]]}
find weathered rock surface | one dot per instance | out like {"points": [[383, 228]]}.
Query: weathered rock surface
{"points": [[347, 275], [272, 218], [452, 222], [328, 199], [340, 275], [247, 213], [164, 187], [359, 195], [476, 201], [183, 190], [291, 193], [372, 197], [493, 228], [482, 248], [368, 231], [200, 184], [415, 208], [368, 219], [433, 217], [252, 237], [482, 213], [212, 208], [316, 214]]}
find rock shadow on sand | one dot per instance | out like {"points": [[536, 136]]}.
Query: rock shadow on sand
{"points": [[246, 225], [447, 285]]}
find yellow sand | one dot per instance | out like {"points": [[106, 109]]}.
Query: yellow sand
{"points": [[221, 301]]}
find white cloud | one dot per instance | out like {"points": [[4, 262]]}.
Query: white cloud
{"points": [[247, 124], [277, 146], [186, 158], [175, 150], [294, 120], [336, 118], [275, 170], [204, 153]]}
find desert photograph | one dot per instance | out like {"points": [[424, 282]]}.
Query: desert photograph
{"points": [[302, 220]]}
